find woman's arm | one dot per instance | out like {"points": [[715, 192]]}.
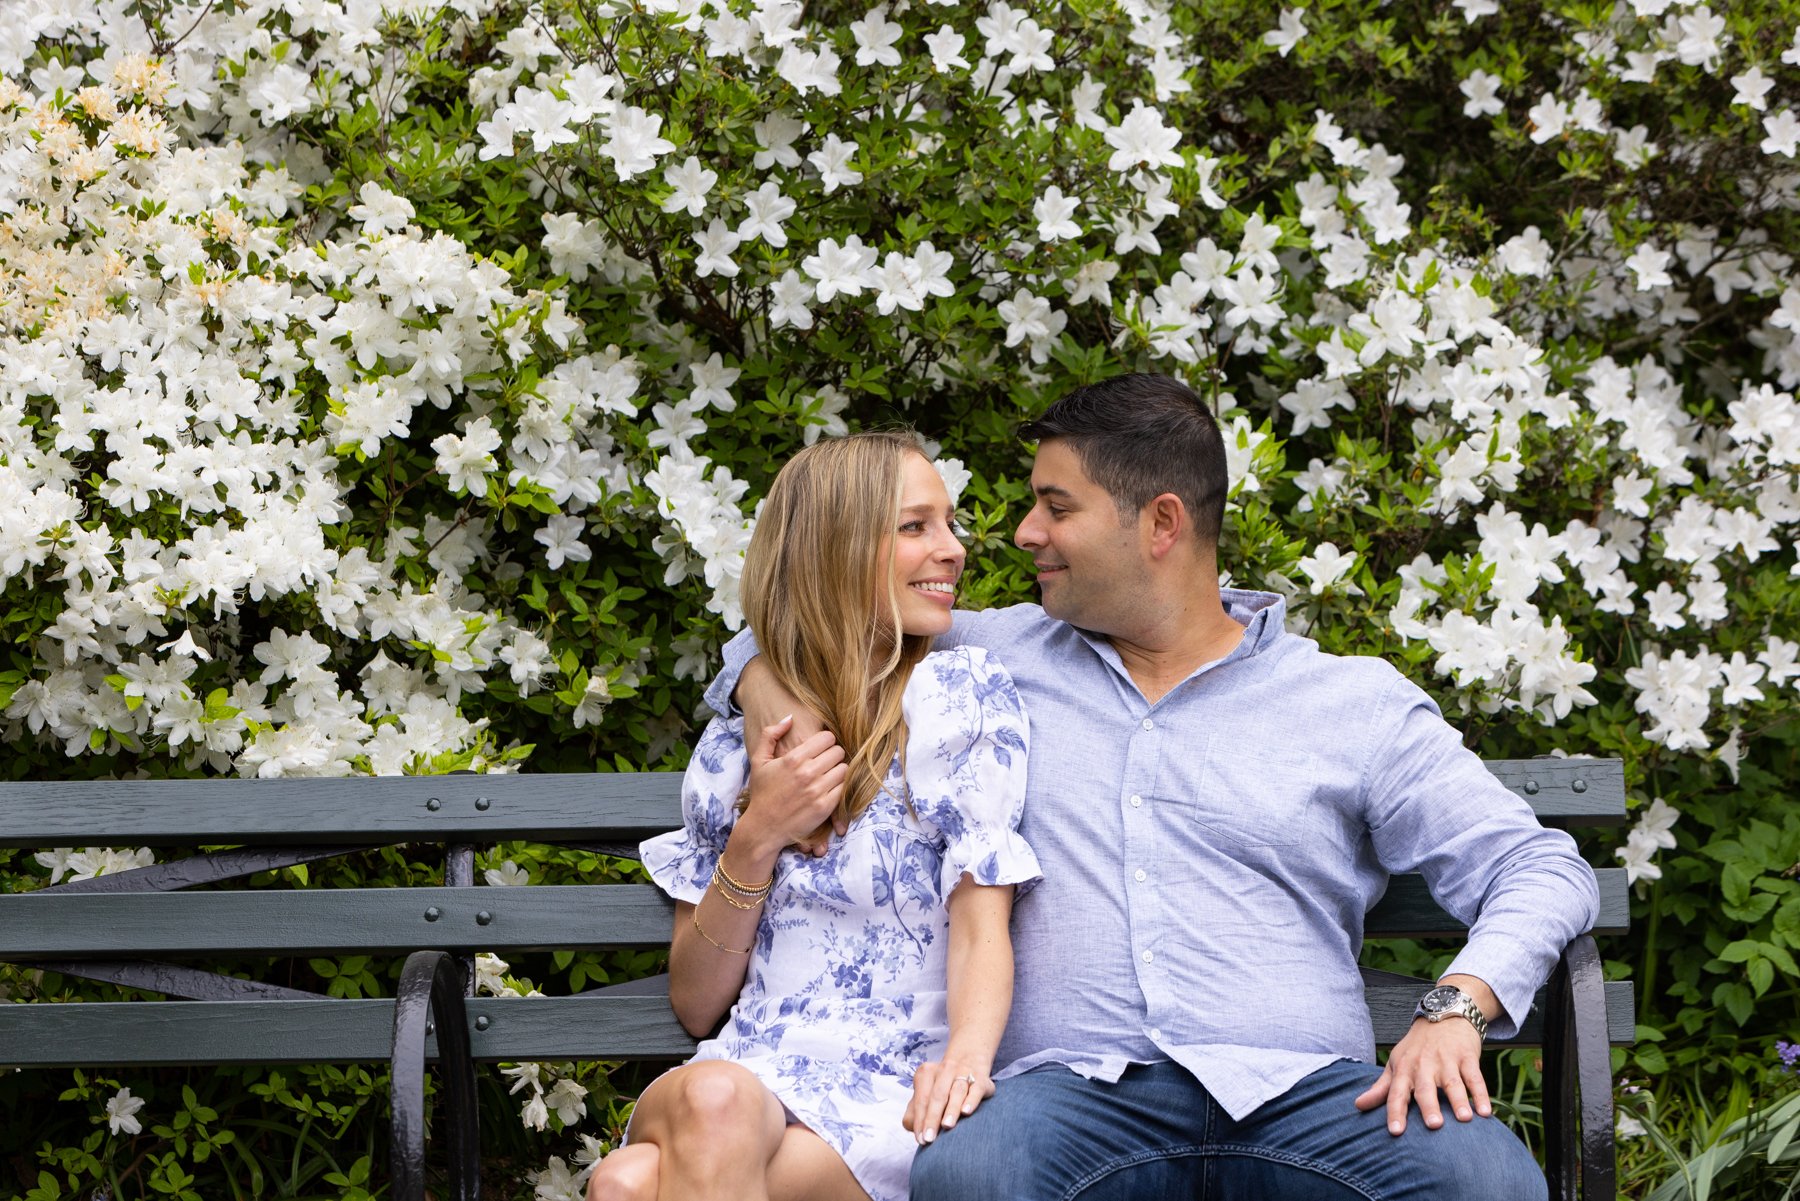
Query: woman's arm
{"points": [[790, 795], [979, 986]]}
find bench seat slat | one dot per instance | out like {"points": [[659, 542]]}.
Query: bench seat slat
{"points": [[1407, 910], [328, 920], [553, 807], [638, 1026]]}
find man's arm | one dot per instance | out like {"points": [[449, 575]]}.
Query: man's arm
{"points": [[723, 695], [1434, 808], [1442, 1055]]}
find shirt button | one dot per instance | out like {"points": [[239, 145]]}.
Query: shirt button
{"points": [[1140, 875], [1155, 1034], [1148, 724], [1136, 800], [1149, 956]]}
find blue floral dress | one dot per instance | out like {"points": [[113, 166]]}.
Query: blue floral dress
{"points": [[844, 995]]}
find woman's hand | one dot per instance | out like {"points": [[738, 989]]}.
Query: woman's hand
{"points": [[943, 1091], [792, 794]]}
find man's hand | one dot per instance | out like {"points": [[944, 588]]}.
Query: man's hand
{"points": [[792, 794], [765, 703], [944, 1091], [1444, 1055]]}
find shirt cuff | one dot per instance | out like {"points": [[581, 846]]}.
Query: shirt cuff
{"points": [[1509, 969]]}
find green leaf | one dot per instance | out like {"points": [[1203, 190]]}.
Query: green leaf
{"points": [[1787, 921], [1741, 951], [1762, 975], [1735, 882], [1736, 999]]}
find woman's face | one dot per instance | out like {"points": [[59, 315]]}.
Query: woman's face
{"points": [[927, 556]]}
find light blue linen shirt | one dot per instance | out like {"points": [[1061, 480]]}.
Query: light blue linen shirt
{"points": [[1208, 859]]}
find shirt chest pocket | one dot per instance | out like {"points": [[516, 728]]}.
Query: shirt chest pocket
{"points": [[1244, 796]]}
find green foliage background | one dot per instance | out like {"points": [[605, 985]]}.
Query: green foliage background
{"points": [[943, 161]]}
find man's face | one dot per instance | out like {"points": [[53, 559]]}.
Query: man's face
{"points": [[1090, 567]]}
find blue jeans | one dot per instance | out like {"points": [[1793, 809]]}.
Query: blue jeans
{"points": [[1157, 1135]]}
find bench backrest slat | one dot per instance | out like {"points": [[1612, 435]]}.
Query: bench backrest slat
{"points": [[51, 925], [125, 1034], [464, 808], [144, 1033], [623, 806], [318, 921]]}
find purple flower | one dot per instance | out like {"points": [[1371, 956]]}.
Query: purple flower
{"points": [[1790, 1054]]}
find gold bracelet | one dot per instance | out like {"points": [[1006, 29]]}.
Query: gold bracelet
{"points": [[715, 942], [737, 886], [731, 892], [723, 891]]}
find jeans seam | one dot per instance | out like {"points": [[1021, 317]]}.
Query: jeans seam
{"points": [[1318, 1167], [1215, 1152], [1131, 1161]]}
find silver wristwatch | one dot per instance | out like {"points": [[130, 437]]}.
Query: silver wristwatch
{"points": [[1449, 1001]]}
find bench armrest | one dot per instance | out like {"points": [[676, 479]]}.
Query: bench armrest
{"points": [[1578, 1079], [430, 999]]}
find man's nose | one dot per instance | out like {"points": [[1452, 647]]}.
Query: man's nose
{"points": [[1029, 535]]}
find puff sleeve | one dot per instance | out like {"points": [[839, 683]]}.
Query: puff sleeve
{"points": [[681, 862], [965, 769]]}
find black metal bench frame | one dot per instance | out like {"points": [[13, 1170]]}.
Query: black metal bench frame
{"points": [[120, 928]]}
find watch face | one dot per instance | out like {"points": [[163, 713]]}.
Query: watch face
{"points": [[1440, 1000]]}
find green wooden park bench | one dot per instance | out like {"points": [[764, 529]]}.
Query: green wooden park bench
{"points": [[156, 928]]}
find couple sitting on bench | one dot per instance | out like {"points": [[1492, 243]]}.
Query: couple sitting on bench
{"points": [[1177, 852]]}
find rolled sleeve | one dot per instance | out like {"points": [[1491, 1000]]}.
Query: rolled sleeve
{"points": [[1436, 809]]}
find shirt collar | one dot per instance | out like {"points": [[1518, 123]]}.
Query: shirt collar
{"points": [[1262, 614]]}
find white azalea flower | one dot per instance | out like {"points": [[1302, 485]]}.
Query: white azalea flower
{"points": [[121, 1113], [1287, 32], [1142, 139], [690, 182], [946, 47], [634, 141]]}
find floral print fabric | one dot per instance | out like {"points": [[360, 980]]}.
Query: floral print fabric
{"points": [[844, 996]]}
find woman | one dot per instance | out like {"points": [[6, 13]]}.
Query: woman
{"points": [[867, 984]]}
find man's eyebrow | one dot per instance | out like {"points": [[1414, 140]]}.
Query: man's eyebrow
{"points": [[1052, 490]]}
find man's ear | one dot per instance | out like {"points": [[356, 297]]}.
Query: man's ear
{"points": [[1165, 523]]}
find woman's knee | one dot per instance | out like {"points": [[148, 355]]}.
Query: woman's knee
{"points": [[712, 1103], [715, 1095], [628, 1174]]}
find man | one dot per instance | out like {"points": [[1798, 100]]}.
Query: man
{"points": [[1216, 803]]}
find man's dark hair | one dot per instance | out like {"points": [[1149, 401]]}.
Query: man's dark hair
{"points": [[1139, 436]]}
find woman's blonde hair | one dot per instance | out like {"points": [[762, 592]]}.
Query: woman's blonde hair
{"points": [[819, 594]]}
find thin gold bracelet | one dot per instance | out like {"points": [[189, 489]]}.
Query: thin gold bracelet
{"points": [[723, 891], [729, 892], [715, 942], [739, 887]]}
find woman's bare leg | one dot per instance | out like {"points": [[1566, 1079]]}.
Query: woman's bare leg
{"points": [[716, 1127], [627, 1174], [713, 1130], [807, 1168]]}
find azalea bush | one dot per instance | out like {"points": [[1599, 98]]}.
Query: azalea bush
{"points": [[389, 388]]}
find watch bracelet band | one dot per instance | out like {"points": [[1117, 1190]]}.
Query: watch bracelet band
{"points": [[1467, 1009]]}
